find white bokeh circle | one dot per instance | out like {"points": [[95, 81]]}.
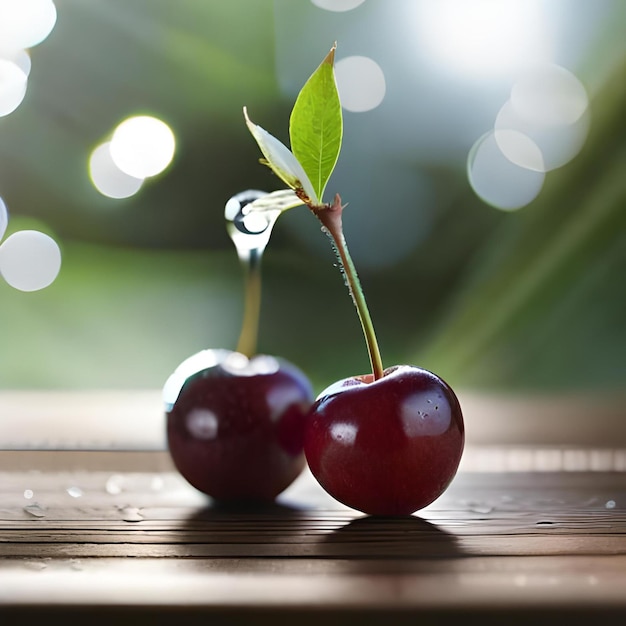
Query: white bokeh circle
{"points": [[496, 180], [360, 82], [557, 143], [25, 23], [142, 146], [337, 6], [549, 95], [13, 82], [29, 260], [4, 218], [109, 179], [21, 58]]}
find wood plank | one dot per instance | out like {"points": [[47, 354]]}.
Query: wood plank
{"points": [[581, 566], [578, 545]]}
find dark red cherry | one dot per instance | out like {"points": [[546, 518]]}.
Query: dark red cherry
{"points": [[235, 426], [386, 447]]}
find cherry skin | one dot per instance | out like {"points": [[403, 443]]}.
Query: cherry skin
{"points": [[389, 446], [235, 426]]}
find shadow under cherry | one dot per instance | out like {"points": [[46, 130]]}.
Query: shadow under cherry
{"points": [[396, 538]]}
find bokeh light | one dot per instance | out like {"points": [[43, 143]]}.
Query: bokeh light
{"points": [[549, 95], [107, 178], [545, 122], [337, 5], [29, 260], [541, 127], [557, 144], [21, 58], [4, 218], [518, 147], [25, 23], [142, 146], [13, 83], [360, 82], [496, 180]]}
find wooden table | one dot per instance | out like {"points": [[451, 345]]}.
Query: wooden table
{"points": [[121, 536]]}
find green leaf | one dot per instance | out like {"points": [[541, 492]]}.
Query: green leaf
{"points": [[281, 160], [316, 125]]}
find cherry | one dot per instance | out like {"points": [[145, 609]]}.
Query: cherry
{"points": [[389, 446], [235, 419], [390, 442], [235, 425]]}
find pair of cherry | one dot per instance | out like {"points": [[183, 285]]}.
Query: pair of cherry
{"points": [[241, 427]]}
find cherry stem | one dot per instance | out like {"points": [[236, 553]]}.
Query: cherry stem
{"points": [[251, 261], [330, 217]]}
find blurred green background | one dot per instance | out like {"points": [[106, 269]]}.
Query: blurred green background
{"points": [[529, 300]]}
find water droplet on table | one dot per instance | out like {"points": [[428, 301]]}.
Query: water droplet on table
{"points": [[35, 509], [474, 506], [131, 514]]}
